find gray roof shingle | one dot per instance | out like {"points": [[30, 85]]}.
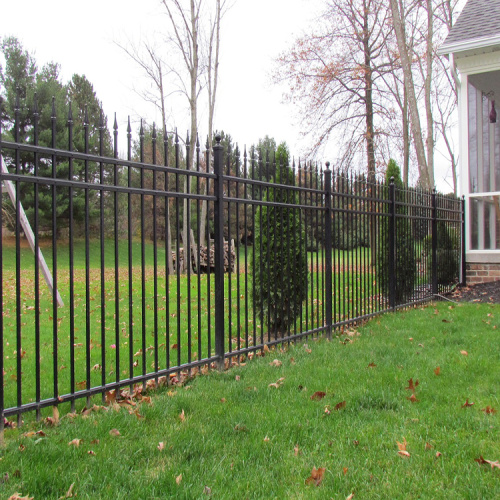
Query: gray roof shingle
{"points": [[479, 18]]}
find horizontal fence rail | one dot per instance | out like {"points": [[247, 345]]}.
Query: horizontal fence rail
{"points": [[175, 260]]}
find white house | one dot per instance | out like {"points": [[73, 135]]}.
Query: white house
{"points": [[473, 48]]}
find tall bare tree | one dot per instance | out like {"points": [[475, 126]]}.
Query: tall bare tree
{"points": [[430, 89], [334, 77], [149, 59], [416, 128], [212, 48], [197, 43], [185, 24]]}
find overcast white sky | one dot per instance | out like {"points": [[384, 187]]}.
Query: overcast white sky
{"points": [[82, 36]]}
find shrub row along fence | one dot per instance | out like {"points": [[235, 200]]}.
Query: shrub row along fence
{"points": [[158, 271]]}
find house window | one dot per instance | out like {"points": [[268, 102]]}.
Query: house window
{"points": [[484, 172]]}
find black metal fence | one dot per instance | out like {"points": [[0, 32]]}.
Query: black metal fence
{"points": [[159, 271]]}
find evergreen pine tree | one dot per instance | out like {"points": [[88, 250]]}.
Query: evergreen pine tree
{"points": [[404, 251], [279, 261]]}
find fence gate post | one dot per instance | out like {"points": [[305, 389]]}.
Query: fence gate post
{"points": [[434, 243], [463, 240], [219, 252], [328, 249], [392, 244]]}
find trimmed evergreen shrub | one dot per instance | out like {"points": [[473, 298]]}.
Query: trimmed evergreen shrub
{"points": [[279, 263], [447, 253], [405, 262]]}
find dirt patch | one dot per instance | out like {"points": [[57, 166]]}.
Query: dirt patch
{"points": [[482, 293]]}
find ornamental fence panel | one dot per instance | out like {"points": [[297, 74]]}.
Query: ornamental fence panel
{"points": [[143, 272]]}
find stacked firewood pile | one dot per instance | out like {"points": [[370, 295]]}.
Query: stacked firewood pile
{"points": [[207, 262]]}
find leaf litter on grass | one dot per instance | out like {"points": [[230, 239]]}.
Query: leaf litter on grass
{"points": [[349, 385]]}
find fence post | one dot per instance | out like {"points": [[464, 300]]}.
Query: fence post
{"points": [[219, 252], [464, 261], [434, 243], [392, 244], [328, 249]]}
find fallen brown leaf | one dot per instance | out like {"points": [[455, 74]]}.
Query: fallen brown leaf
{"points": [[371, 365], [467, 404], [111, 396], [69, 493], [438, 454], [488, 410], [403, 453], [17, 496], [161, 446], [75, 442], [350, 497], [296, 450], [182, 416], [339, 406], [275, 362], [114, 432], [402, 446], [412, 385], [437, 370], [428, 446], [316, 476], [178, 479], [318, 395], [464, 353], [482, 461], [413, 398]]}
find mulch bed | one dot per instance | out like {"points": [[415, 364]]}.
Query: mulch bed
{"points": [[482, 292]]}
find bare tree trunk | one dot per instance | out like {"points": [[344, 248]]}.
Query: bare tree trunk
{"points": [[416, 128], [186, 39], [152, 67], [406, 140], [427, 89], [370, 133], [213, 75]]}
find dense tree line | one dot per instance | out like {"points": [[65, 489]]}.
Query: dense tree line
{"points": [[35, 105]]}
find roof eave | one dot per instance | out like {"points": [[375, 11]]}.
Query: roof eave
{"points": [[468, 45]]}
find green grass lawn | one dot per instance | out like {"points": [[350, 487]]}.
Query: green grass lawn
{"points": [[175, 332], [232, 435]]}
